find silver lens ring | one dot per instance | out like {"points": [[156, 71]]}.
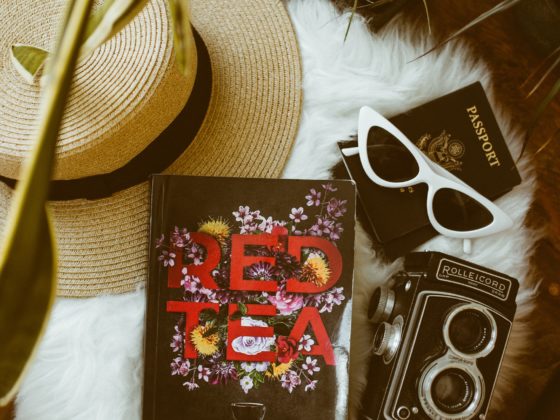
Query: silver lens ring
{"points": [[381, 304], [486, 338], [473, 391], [387, 339]]}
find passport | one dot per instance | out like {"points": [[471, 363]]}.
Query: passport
{"points": [[459, 132]]}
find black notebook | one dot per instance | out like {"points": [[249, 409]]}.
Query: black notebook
{"points": [[457, 131], [249, 299]]}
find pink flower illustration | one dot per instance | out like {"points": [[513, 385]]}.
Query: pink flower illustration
{"points": [[310, 365], [290, 380], [311, 385], [167, 258], [314, 197], [286, 303], [297, 215]]}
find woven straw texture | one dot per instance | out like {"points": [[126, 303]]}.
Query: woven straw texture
{"points": [[127, 88], [248, 131]]}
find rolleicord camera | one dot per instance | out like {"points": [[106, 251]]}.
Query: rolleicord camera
{"points": [[442, 326]]}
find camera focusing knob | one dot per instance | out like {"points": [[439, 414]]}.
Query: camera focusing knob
{"points": [[381, 304], [387, 339]]}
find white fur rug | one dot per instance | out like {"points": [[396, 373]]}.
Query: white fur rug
{"points": [[89, 365]]}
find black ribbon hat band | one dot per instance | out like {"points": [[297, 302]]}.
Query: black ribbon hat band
{"points": [[157, 156]]}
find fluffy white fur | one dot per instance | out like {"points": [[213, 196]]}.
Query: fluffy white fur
{"points": [[90, 363]]}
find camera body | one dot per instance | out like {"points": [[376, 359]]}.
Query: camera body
{"points": [[442, 328]]}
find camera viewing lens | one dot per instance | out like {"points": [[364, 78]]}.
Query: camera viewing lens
{"points": [[452, 390], [470, 331]]}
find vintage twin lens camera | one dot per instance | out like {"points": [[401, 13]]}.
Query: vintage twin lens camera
{"points": [[442, 328]]}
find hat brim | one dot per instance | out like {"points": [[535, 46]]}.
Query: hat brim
{"points": [[248, 131]]}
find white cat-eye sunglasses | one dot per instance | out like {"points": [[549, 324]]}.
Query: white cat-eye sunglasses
{"points": [[454, 209]]}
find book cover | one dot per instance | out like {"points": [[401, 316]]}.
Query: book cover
{"points": [[249, 299], [457, 131]]}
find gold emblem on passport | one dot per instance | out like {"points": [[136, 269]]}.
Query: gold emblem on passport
{"points": [[443, 150]]}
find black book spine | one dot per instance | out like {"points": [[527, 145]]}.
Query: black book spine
{"points": [[159, 189]]}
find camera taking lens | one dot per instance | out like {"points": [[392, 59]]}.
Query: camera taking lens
{"points": [[452, 391]]}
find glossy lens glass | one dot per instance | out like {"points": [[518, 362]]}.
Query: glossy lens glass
{"points": [[457, 211], [453, 390], [470, 331], [388, 157]]}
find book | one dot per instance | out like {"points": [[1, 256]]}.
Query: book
{"points": [[249, 299], [457, 131]]}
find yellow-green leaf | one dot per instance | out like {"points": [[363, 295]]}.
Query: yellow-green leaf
{"points": [[498, 8], [24, 307], [27, 256], [352, 13], [547, 73], [183, 37], [112, 17], [96, 17], [28, 60], [552, 93], [548, 141]]}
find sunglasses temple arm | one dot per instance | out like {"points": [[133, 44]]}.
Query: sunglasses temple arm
{"points": [[467, 246], [350, 151]]}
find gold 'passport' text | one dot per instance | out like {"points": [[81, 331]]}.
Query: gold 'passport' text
{"points": [[480, 131]]}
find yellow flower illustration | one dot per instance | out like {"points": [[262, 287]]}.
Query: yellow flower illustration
{"points": [[278, 369], [205, 345], [316, 270], [218, 228]]}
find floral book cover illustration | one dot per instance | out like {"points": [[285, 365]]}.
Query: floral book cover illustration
{"points": [[249, 299]]}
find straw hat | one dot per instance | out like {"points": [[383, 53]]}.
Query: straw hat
{"points": [[129, 105]]}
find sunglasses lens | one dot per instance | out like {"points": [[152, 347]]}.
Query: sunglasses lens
{"points": [[388, 157], [457, 211]]}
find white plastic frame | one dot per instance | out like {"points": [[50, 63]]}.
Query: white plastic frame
{"points": [[429, 173]]}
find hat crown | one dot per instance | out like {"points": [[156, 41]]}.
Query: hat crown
{"points": [[124, 94]]}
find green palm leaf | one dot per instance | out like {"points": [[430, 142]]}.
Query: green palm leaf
{"points": [[109, 20], [28, 60], [552, 93], [500, 7], [28, 256], [183, 38]]}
